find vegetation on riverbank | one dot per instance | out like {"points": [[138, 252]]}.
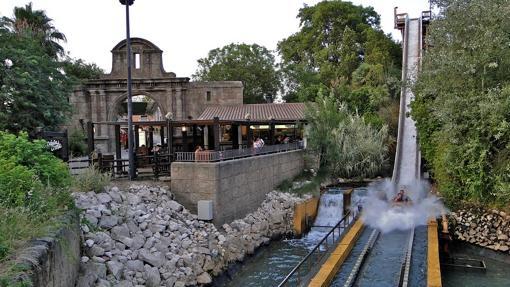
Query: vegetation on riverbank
{"points": [[34, 190], [462, 106], [347, 146]]}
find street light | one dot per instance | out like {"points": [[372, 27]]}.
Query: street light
{"points": [[132, 172]]}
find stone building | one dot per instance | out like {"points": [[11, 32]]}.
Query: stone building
{"points": [[155, 91]]}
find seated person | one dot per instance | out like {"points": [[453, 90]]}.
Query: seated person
{"points": [[401, 197]]}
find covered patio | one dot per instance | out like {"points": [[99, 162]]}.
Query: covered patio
{"points": [[158, 143]]}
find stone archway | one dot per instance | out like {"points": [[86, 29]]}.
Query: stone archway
{"points": [[146, 109], [154, 110], [97, 100]]}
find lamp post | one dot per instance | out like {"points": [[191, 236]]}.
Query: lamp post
{"points": [[132, 172]]}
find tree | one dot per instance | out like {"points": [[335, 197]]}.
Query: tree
{"points": [[33, 87], [335, 37], [254, 65], [347, 146], [80, 70], [35, 23], [462, 100]]}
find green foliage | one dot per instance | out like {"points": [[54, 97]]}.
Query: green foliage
{"points": [[463, 100], [347, 146], [33, 189], [79, 70], [36, 25], [334, 39], [34, 155], [91, 180], [254, 65], [77, 142], [17, 225], [33, 91], [17, 183]]}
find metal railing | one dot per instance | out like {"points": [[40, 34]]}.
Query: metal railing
{"points": [[306, 268], [214, 156], [159, 163]]}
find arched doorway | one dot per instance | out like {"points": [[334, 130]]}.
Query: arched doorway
{"points": [[145, 110]]}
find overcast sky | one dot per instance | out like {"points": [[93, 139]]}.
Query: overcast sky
{"points": [[185, 30]]}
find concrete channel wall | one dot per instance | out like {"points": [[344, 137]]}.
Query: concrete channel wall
{"points": [[236, 187], [304, 215]]}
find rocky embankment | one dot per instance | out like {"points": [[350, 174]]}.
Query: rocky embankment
{"points": [[141, 236], [486, 228]]}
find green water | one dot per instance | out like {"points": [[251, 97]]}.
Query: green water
{"points": [[497, 274]]}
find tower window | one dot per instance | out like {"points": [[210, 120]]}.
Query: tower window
{"points": [[208, 96], [137, 61]]}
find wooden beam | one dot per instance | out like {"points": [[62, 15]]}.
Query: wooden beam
{"points": [[216, 133], [118, 149], [234, 135], [90, 138], [137, 138]]}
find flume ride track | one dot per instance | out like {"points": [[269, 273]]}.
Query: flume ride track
{"points": [[386, 258], [407, 156], [401, 279]]}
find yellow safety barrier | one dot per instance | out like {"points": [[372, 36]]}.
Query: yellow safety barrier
{"points": [[433, 265], [302, 211], [337, 257]]}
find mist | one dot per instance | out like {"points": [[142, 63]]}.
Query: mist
{"points": [[380, 212]]}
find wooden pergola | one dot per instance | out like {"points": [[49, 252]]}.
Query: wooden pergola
{"points": [[205, 133]]}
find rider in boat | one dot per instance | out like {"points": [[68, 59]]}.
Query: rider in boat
{"points": [[401, 197]]}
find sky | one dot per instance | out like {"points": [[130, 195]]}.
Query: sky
{"points": [[185, 30]]}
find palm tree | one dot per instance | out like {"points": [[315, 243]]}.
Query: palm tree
{"points": [[35, 23]]}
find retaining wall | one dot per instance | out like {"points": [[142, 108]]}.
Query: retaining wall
{"points": [[236, 187], [52, 261]]}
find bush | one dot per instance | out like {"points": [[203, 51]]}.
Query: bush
{"points": [[91, 180], [348, 147], [77, 145], [33, 189], [17, 184], [35, 156]]}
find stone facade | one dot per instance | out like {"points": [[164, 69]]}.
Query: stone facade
{"points": [[99, 100], [236, 187]]}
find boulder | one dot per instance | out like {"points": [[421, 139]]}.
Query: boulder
{"points": [[155, 259], [115, 268]]}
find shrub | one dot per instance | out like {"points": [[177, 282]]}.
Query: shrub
{"points": [[346, 144], [35, 156], [77, 145], [17, 184], [33, 189], [91, 180]]}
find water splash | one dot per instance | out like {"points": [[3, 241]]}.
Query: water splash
{"points": [[328, 214], [379, 210]]}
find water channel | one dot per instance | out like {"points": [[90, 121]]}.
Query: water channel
{"points": [[496, 275], [270, 264]]}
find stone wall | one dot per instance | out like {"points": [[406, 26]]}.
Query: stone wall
{"points": [[486, 228], [236, 187], [53, 260]]}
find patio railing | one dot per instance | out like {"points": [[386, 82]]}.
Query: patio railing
{"points": [[214, 156]]}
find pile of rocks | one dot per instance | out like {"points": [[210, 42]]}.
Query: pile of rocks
{"points": [[141, 236], [486, 228]]}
